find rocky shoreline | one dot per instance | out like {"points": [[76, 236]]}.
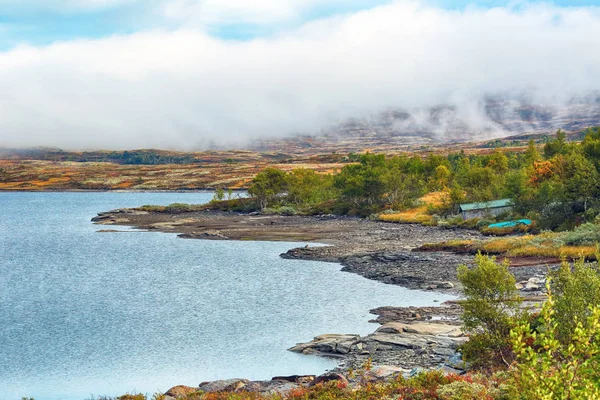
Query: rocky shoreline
{"points": [[408, 339]]}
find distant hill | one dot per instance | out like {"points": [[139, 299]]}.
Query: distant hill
{"points": [[401, 130]]}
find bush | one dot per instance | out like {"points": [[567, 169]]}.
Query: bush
{"points": [[178, 208], [484, 223], [575, 290], [490, 312], [462, 390], [586, 234], [549, 369]]}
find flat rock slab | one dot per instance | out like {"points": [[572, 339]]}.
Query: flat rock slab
{"points": [[422, 328]]}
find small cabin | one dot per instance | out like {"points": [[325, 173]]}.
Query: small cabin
{"points": [[485, 209]]}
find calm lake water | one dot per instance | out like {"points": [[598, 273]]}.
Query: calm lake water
{"points": [[84, 313]]}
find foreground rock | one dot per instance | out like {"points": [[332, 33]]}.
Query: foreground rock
{"points": [[403, 345], [283, 385]]}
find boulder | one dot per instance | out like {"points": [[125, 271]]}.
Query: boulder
{"points": [[421, 328], [329, 377], [383, 373], [329, 343], [227, 385], [295, 378], [272, 387], [407, 340], [181, 391]]}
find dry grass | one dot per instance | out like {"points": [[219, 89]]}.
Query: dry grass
{"points": [[49, 175], [542, 245], [417, 215]]}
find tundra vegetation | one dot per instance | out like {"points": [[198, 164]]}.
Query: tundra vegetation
{"points": [[557, 185]]}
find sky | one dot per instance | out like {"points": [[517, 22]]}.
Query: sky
{"points": [[189, 74]]}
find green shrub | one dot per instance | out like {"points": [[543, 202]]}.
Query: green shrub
{"points": [[462, 390], [483, 223], [575, 290], [549, 369], [490, 311], [586, 234]]}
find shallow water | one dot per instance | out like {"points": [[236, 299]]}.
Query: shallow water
{"points": [[85, 313]]}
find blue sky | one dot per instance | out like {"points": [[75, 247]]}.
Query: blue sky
{"points": [[40, 23]]}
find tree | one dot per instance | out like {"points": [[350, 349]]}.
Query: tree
{"points": [[442, 176], [498, 162], [556, 146], [268, 186], [490, 311], [547, 369], [532, 154], [591, 146], [575, 290]]}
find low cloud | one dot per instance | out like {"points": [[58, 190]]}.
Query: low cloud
{"points": [[183, 89]]}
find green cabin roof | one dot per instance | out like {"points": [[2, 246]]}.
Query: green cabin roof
{"points": [[486, 205]]}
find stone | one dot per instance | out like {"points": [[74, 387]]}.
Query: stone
{"points": [[410, 341], [181, 391], [329, 377], [384, 372], [456, 362], [445, 285], [328, 343], [272, 387], [420, 328], [444, 351], [531, 287], [227, 385], [451, 371], [295, 378]]}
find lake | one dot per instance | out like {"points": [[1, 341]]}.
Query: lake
{"points": [[84, 313]]}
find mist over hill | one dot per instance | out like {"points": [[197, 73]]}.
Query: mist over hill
{"points": [[493, 117]]}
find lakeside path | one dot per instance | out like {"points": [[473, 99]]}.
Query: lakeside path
{"points": [[409, 337]]}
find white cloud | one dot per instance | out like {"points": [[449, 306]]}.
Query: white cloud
{"points": [[184, 89], [62, 5], [252, 12]]}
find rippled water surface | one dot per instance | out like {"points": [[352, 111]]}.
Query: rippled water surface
{"points": [[85, 313]]}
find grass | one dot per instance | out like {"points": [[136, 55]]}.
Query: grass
{"points": [[571, 244], [211, 173], [419, 214]]}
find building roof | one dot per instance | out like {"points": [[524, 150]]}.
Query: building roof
{"points": [[486, 205]]}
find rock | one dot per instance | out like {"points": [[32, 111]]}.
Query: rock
{"points": [[444, 351], [101, 218], [531, 287], [456, 362], [407, 340], [329, 343], [181, 391], [445, 285], [451, 371], [272, 387], [295, 378], [329, 377], [421, 328], [413, 372], [227, 385], [383, 373]]}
